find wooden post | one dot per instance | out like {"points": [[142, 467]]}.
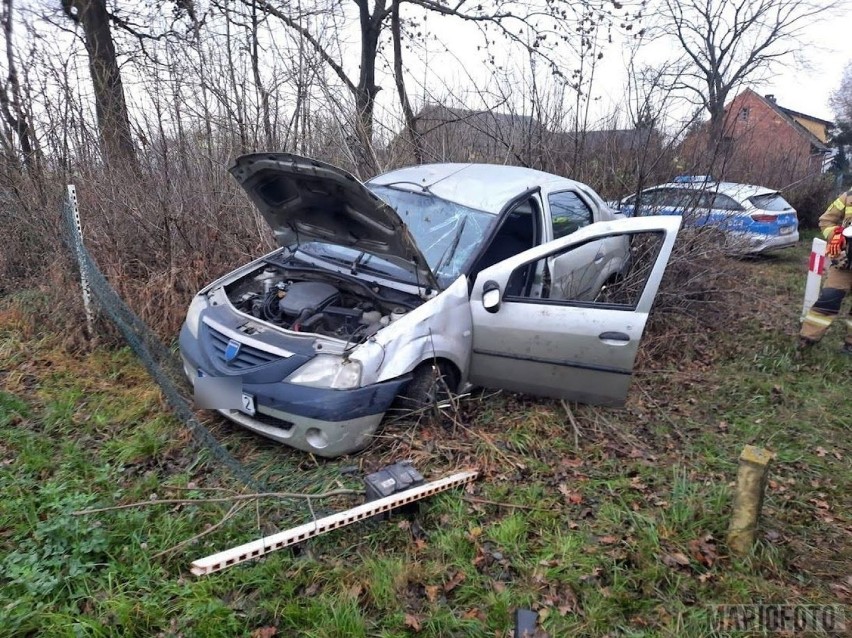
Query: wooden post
{"points": [[748, 498]]}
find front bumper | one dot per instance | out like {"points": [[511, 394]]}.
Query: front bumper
{"points": [[328, 423], [322, 421]]}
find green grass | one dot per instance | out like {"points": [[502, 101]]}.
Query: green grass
{"points": [[623, 536]]}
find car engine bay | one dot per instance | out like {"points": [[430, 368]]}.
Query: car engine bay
{"points": [[309, 300]]}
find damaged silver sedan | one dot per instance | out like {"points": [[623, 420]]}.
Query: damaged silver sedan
{"points": [[495, 276]]}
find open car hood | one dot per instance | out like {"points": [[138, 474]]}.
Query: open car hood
{"points": [[303, 199]]}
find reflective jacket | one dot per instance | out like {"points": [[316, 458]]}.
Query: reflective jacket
{"points": [[838, 214]]}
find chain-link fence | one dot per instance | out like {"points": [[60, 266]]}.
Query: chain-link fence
{"points": [[165, 368]]}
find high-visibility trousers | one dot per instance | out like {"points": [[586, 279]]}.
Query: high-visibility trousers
{"points": [[837, 284]]}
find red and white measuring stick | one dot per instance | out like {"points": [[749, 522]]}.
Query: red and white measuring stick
{"points": [[816, 266], [268, 544]]}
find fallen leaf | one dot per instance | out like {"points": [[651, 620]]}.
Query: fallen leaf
{"points": [[676, 559], [312, 589], [431, 593], [412, 622], [499, 586], [454, 582], [703, 552], [821, 451], [569, 602], [264, 632], [637, 484], [356, 590], [608, 540], [474, 612]]}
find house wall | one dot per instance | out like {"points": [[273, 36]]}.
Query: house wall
{"points": [[766, 147], [817, 128], [761, 146]]}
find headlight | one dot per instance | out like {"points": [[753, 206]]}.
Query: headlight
{"points": [[328, 371], [193, 315]]}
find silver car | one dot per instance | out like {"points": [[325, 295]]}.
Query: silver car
{"points": [[451, 274]]}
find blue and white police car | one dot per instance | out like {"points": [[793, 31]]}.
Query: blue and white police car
{"points": [[753, 219]]}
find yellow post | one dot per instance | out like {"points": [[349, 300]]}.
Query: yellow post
{"points": [[748, 498]]}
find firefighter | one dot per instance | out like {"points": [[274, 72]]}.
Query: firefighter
{"points": [[838, 282]]}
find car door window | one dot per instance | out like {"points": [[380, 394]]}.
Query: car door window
{"points": [[653, 201], [724, 202], [568, 213], [580, 274]]}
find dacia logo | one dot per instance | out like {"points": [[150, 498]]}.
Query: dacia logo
{"points": [[232, 350]]}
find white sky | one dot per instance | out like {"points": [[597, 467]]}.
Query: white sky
{"points": [[803, 83]]}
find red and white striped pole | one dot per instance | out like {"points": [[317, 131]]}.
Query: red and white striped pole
{"points": [[816, 266]]}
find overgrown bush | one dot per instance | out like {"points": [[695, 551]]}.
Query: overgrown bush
{"points": [[811, 198], [699, 292]]}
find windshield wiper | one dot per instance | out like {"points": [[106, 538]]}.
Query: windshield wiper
{"points": [[353, 269], [451, 249]]}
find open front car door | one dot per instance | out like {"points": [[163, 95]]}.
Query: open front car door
{"points": [[539, 337]]}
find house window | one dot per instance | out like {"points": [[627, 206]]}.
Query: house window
{"points": [[744, 113]]}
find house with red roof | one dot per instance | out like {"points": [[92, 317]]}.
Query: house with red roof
{"points": [[764, 143]]}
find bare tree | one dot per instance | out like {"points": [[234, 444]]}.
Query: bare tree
{"points": [[841, 98], [841, 102], [542, 27], [725, 43], [12, 105], [110, 104]]}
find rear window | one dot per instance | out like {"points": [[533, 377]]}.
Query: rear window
{"points": [[770, 201]]}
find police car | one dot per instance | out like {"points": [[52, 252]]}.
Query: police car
{"points": [[754, 219]]}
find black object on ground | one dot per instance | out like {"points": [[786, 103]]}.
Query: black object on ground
{"points": [[392, 480], [525, 622]]}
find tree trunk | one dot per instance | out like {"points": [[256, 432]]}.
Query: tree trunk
{"points": [[14, 113], [408, 113], [110, 105], [366, 91]]}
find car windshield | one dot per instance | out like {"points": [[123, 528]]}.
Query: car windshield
{"points": [[770, 201], [446, 233]]}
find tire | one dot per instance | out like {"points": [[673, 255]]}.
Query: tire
{"points": [[432, 383]]}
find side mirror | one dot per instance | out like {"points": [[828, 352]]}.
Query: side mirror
{"points": [[491, 296]]}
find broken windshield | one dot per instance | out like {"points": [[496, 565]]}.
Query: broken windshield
{"points": [[447, 233]]}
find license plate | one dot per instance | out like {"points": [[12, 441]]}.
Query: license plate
{"points": [[786, 230], [248, 404], [246, 400]]}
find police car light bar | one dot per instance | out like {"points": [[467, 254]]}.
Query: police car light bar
{"points": [[255, 549]]}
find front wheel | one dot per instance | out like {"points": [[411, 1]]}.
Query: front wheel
{"points": [[431, 387]]}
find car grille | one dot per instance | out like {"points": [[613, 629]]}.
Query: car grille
{"points": [[272, 421], [247, 357]]}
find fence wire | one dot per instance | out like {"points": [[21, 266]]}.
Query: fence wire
{"points": [[166, 369]]}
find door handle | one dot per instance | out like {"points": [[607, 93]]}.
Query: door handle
{"points": [[614, 338], [599, 259]]}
